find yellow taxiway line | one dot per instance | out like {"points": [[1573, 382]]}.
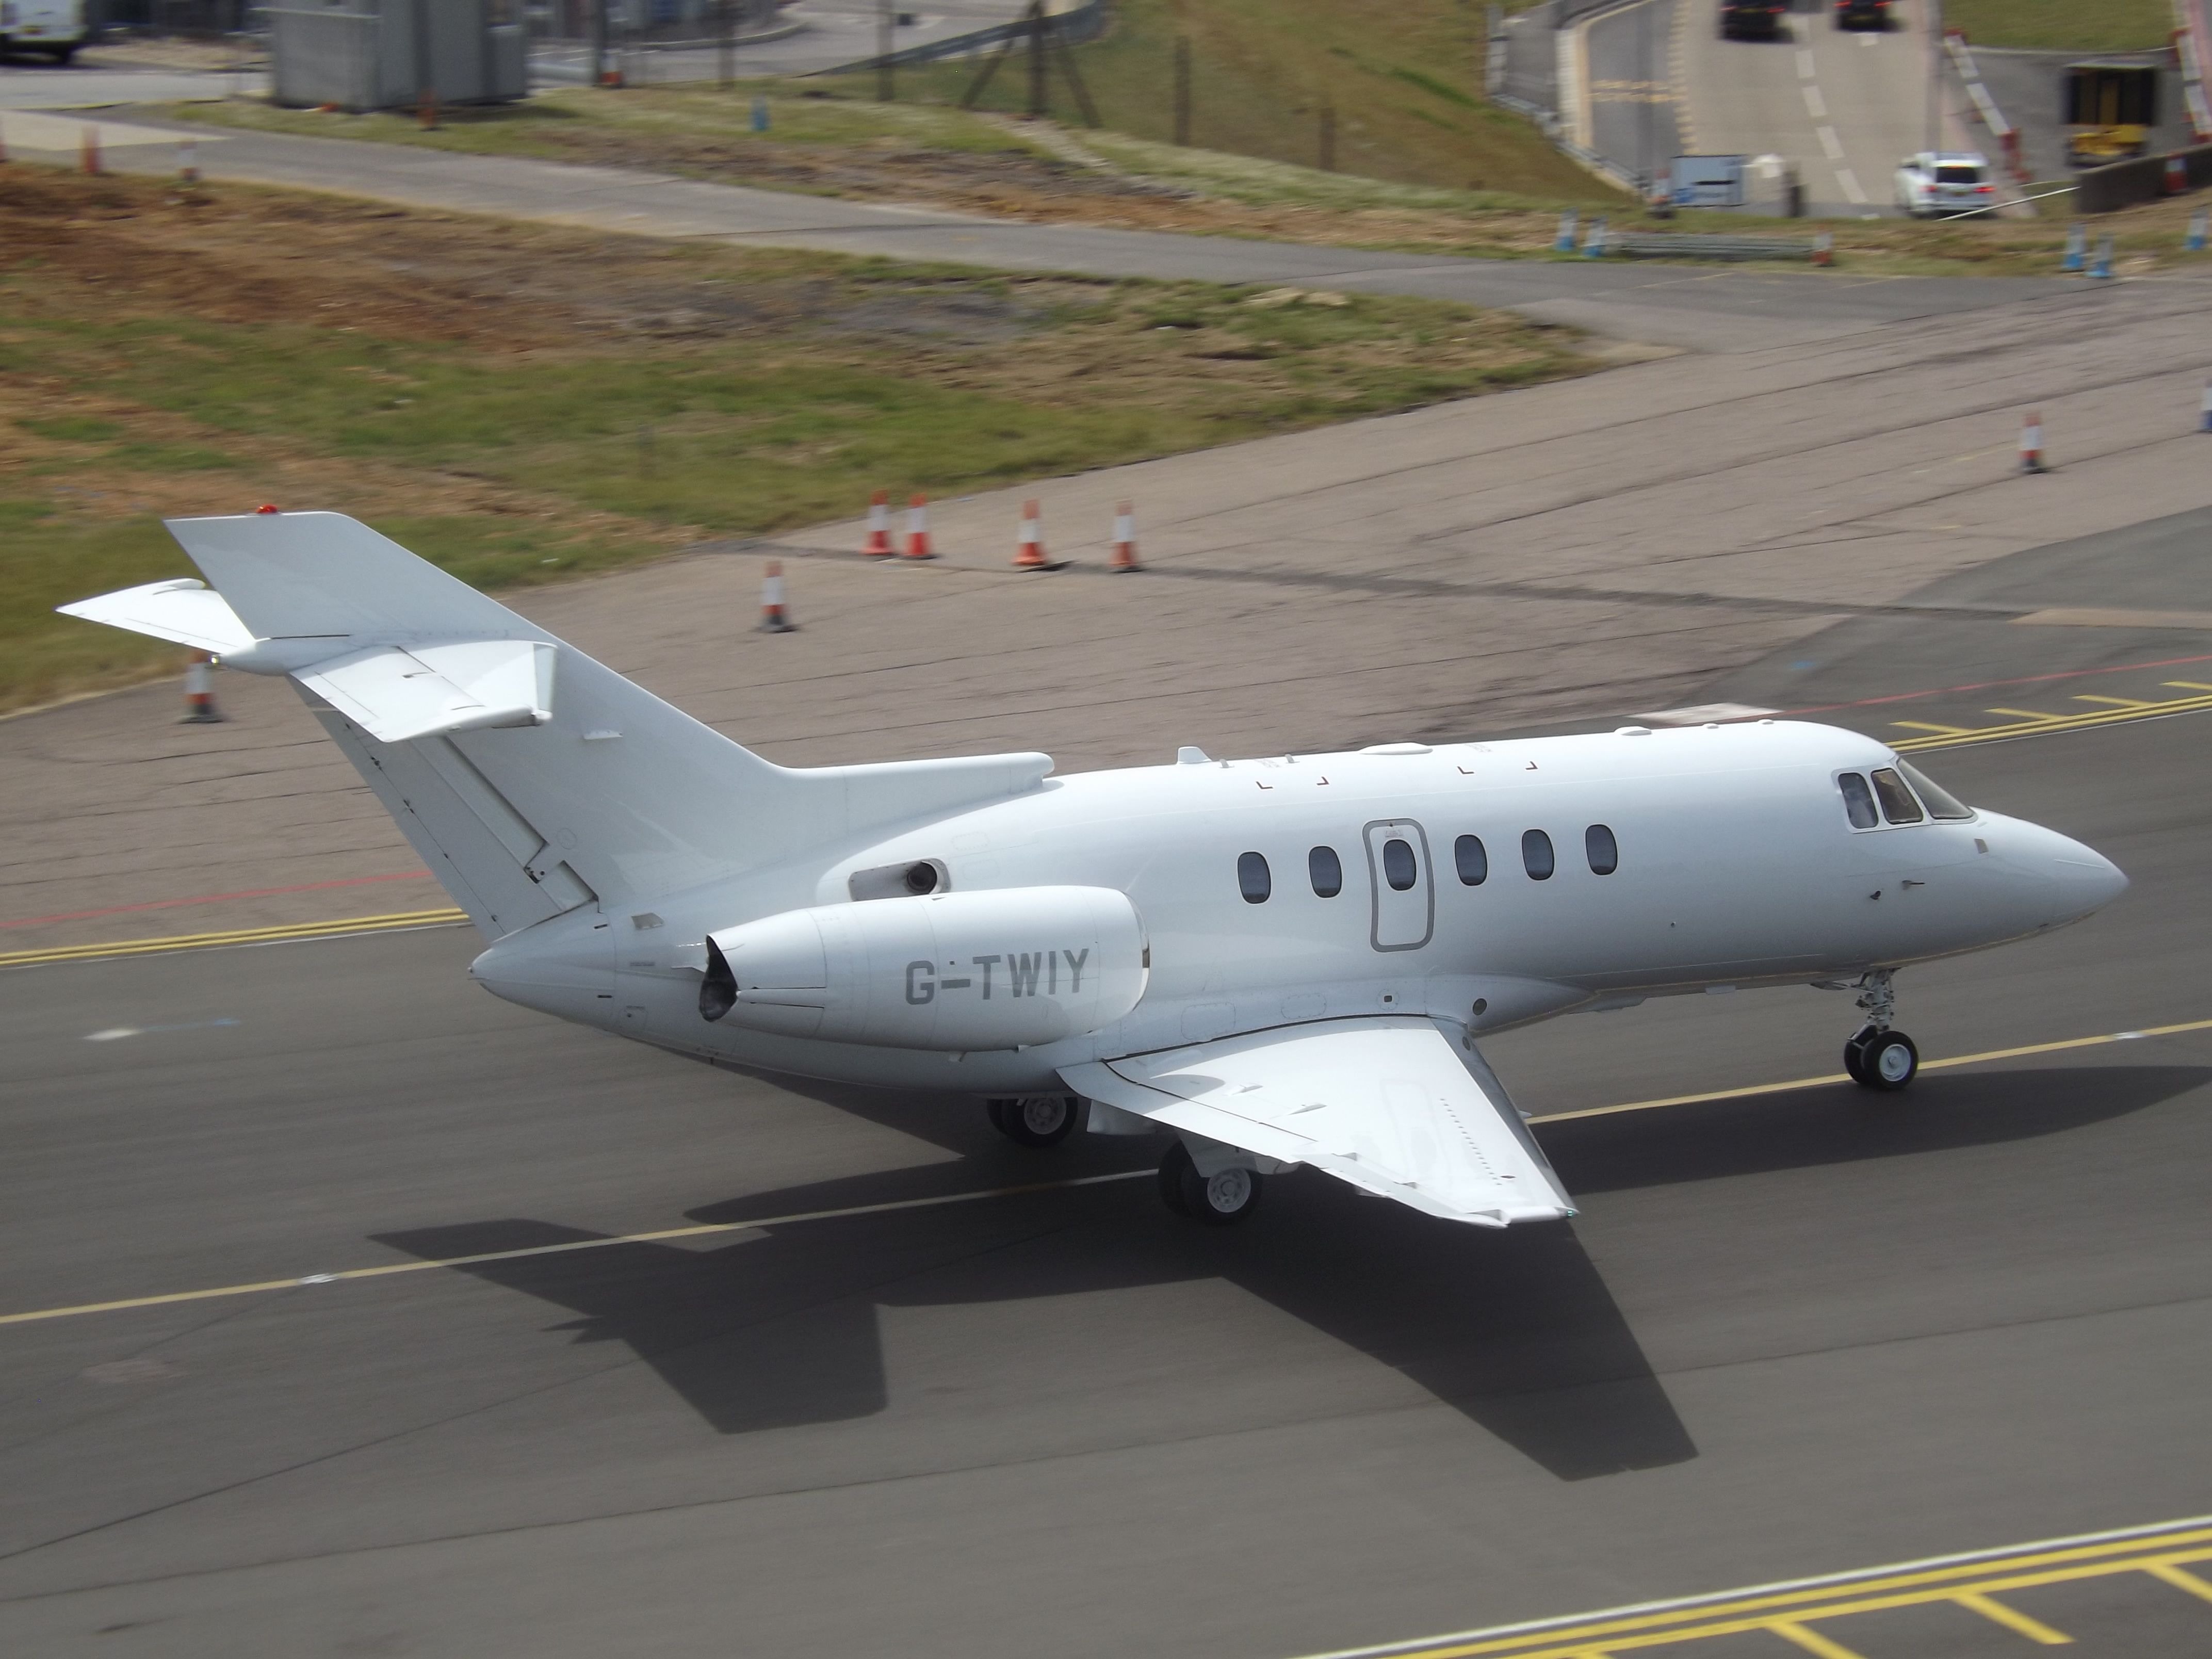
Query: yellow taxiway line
{"points": [[707, 1229], [2031, 723], [1973, 1581], [298, 930]]}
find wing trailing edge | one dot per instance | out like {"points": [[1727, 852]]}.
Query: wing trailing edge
{"points": [[1385, 1104]]}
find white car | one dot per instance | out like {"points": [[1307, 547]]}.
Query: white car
{"points": [[1943, 181], [56, 27]]}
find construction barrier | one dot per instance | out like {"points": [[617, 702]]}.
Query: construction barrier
{"points": [[878, 544], [1125, 538], [2141, 179], [2077, 247], [773, 619], [89, 158], [188, 161], [1029, 545], [917, 528], [2031, 443], [199, 692]]}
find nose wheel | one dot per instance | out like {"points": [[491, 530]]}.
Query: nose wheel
{"points": [[1036, 1119], [1882, 1060], [1220, 1199], [1877, 1057]]}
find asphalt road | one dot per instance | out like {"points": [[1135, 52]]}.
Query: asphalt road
{"points": [[1727, 310], [1841, 104], [1791, 1332]]}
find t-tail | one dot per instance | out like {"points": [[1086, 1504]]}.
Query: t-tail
{"points": [[530, 780]]}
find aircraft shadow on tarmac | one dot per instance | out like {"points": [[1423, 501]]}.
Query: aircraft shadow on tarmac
{"points": [[1515, 1330]]}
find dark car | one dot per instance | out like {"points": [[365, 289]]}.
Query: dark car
{"points": [[1751, 20], [1862, 13]]}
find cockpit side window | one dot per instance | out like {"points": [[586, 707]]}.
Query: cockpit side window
{"points": [[1897, 803], [1941, 804], [1858, 801]]}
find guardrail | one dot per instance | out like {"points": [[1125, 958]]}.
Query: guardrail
{"points": [[1072, 28]]}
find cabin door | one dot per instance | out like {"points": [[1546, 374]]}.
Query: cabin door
{"points": [[1398, 876]]}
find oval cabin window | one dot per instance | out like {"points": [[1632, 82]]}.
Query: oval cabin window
{"points": [[1537, 855], [1252, 879], [1603, 851], [1473, 863], [1326, 871], [1398, 867]]}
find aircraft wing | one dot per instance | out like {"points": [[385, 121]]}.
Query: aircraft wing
{"points": [[425, 690], [1384, 1103], [181, 610]]}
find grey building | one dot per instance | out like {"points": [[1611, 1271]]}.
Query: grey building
{"points": [[384, 54]]}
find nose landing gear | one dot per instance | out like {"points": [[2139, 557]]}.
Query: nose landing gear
{"points": [[1877, 1057]]}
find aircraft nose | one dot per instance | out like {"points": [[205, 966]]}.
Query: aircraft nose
{"points": [[2087, 880]]}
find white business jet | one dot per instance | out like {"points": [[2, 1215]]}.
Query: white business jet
{"points": [[1278, 962]]}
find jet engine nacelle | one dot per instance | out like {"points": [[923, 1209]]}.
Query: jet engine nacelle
{"points": [[1005, 968]]}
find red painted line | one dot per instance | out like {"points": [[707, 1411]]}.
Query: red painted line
{"points": [[1994, 685], [217, 898]]}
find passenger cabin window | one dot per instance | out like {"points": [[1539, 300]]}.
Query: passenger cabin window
{"points": [[1537, 855], [1601, 849], [1940, 802], [1398, 867], [1326, 871], [1252, 879], [1473, 863], [1897, 803], [1858, 801]]}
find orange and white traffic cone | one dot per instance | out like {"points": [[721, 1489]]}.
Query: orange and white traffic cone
{"points": [[878, 544], [773, 620], [917, 528], [199, 692], [1029, 550], [188, 161], [2031, 443], [1125, 538], [87, 149]]}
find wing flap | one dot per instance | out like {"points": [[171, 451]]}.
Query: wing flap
{"points": [[1385, 1105], [430, 690], [181, 610]]}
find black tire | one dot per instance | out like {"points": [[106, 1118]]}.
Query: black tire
{"points": [[1221, 1200], [62, 56], [1173, 1168], [1888, 1061], [1854, 1065], [1036, 1120]]}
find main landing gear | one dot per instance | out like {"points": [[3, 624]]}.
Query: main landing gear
{"points": [[1220, 1199], [1036, 1119], [1876, 1057]]}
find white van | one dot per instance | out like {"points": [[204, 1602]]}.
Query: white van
{"points": [[56, 28]]}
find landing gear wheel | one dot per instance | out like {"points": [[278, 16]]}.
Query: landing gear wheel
{"points": [[1036, 1119], [1882, 1060], [1220, 1199]]}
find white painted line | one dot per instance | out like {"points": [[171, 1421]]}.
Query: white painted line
{"points": [[1815, 105], [1829, 143], [1850, 181], [1869, 40], [1804, 66]]}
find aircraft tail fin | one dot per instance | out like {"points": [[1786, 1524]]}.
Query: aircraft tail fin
{"points": [[531, 779]]}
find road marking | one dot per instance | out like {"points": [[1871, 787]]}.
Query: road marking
{"points": [[1805, 68], [300, 930], [2091, 616], [1850, 183], [1789, 1609], [117, 1033], [2062, 1046], [2031, 724], [217, 898], [703, 1230], [1828, 142], [1815, 105], [706, 1229]]}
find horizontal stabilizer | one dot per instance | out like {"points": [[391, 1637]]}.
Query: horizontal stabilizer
{"points": [[179, 608], [430, 690], [1382, 1104]]}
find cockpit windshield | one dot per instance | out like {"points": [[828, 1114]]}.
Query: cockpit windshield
{"points": [[1941, 803], [1897, 803]]}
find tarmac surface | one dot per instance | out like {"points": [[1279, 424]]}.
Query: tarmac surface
{"points": [[1705, 310], [1791, 1332]]}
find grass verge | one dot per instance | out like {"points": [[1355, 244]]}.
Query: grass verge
{"points": [[518, 402], [2063, 25]]}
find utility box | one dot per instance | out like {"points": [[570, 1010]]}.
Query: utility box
{"points": [[385, 54]]}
